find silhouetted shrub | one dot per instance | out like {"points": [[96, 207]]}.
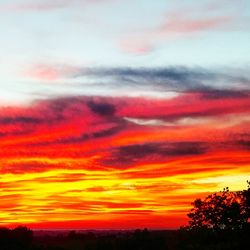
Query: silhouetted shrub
{"points": [[224, 210]]}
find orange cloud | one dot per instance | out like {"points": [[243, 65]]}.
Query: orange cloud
{"points": [[95, 162]]}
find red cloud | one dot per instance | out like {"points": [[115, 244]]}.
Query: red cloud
{"points": [[79, 159], [81, 127]]}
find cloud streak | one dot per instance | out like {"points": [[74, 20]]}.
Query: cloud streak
{"points": [[159, 82], [87, 144], [172, 78], [123, 156], [180, 24], [42, 6]]}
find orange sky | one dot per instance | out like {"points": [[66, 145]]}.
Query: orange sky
{"points": [[119, 113], [101, 162]]}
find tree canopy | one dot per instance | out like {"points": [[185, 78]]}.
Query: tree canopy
{"points": [[223, 210]]}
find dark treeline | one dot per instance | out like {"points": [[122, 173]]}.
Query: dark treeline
{"points": [[141, 239], [19, 238], [220, 221]]}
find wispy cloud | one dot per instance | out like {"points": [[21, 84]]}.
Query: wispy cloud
{"points": [[75, 147], [118, 146], [173, 28], [171, 78], [181, 24], [50, 73], [154, 82], [36, 5], [45, 5], [78, 121]]}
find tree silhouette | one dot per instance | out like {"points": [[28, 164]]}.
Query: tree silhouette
{"points": [[224, 210], [245, 198], [19, 238]]}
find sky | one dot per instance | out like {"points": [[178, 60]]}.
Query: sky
{"points": [[117, 114]]}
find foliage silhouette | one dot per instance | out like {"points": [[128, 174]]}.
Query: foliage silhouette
{"points": [[224, 210], [20, 238]]}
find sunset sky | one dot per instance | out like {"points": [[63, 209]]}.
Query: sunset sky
{"points": [[117, 114]]}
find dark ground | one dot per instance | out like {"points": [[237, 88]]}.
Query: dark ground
{"points": [[22, 238]]}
